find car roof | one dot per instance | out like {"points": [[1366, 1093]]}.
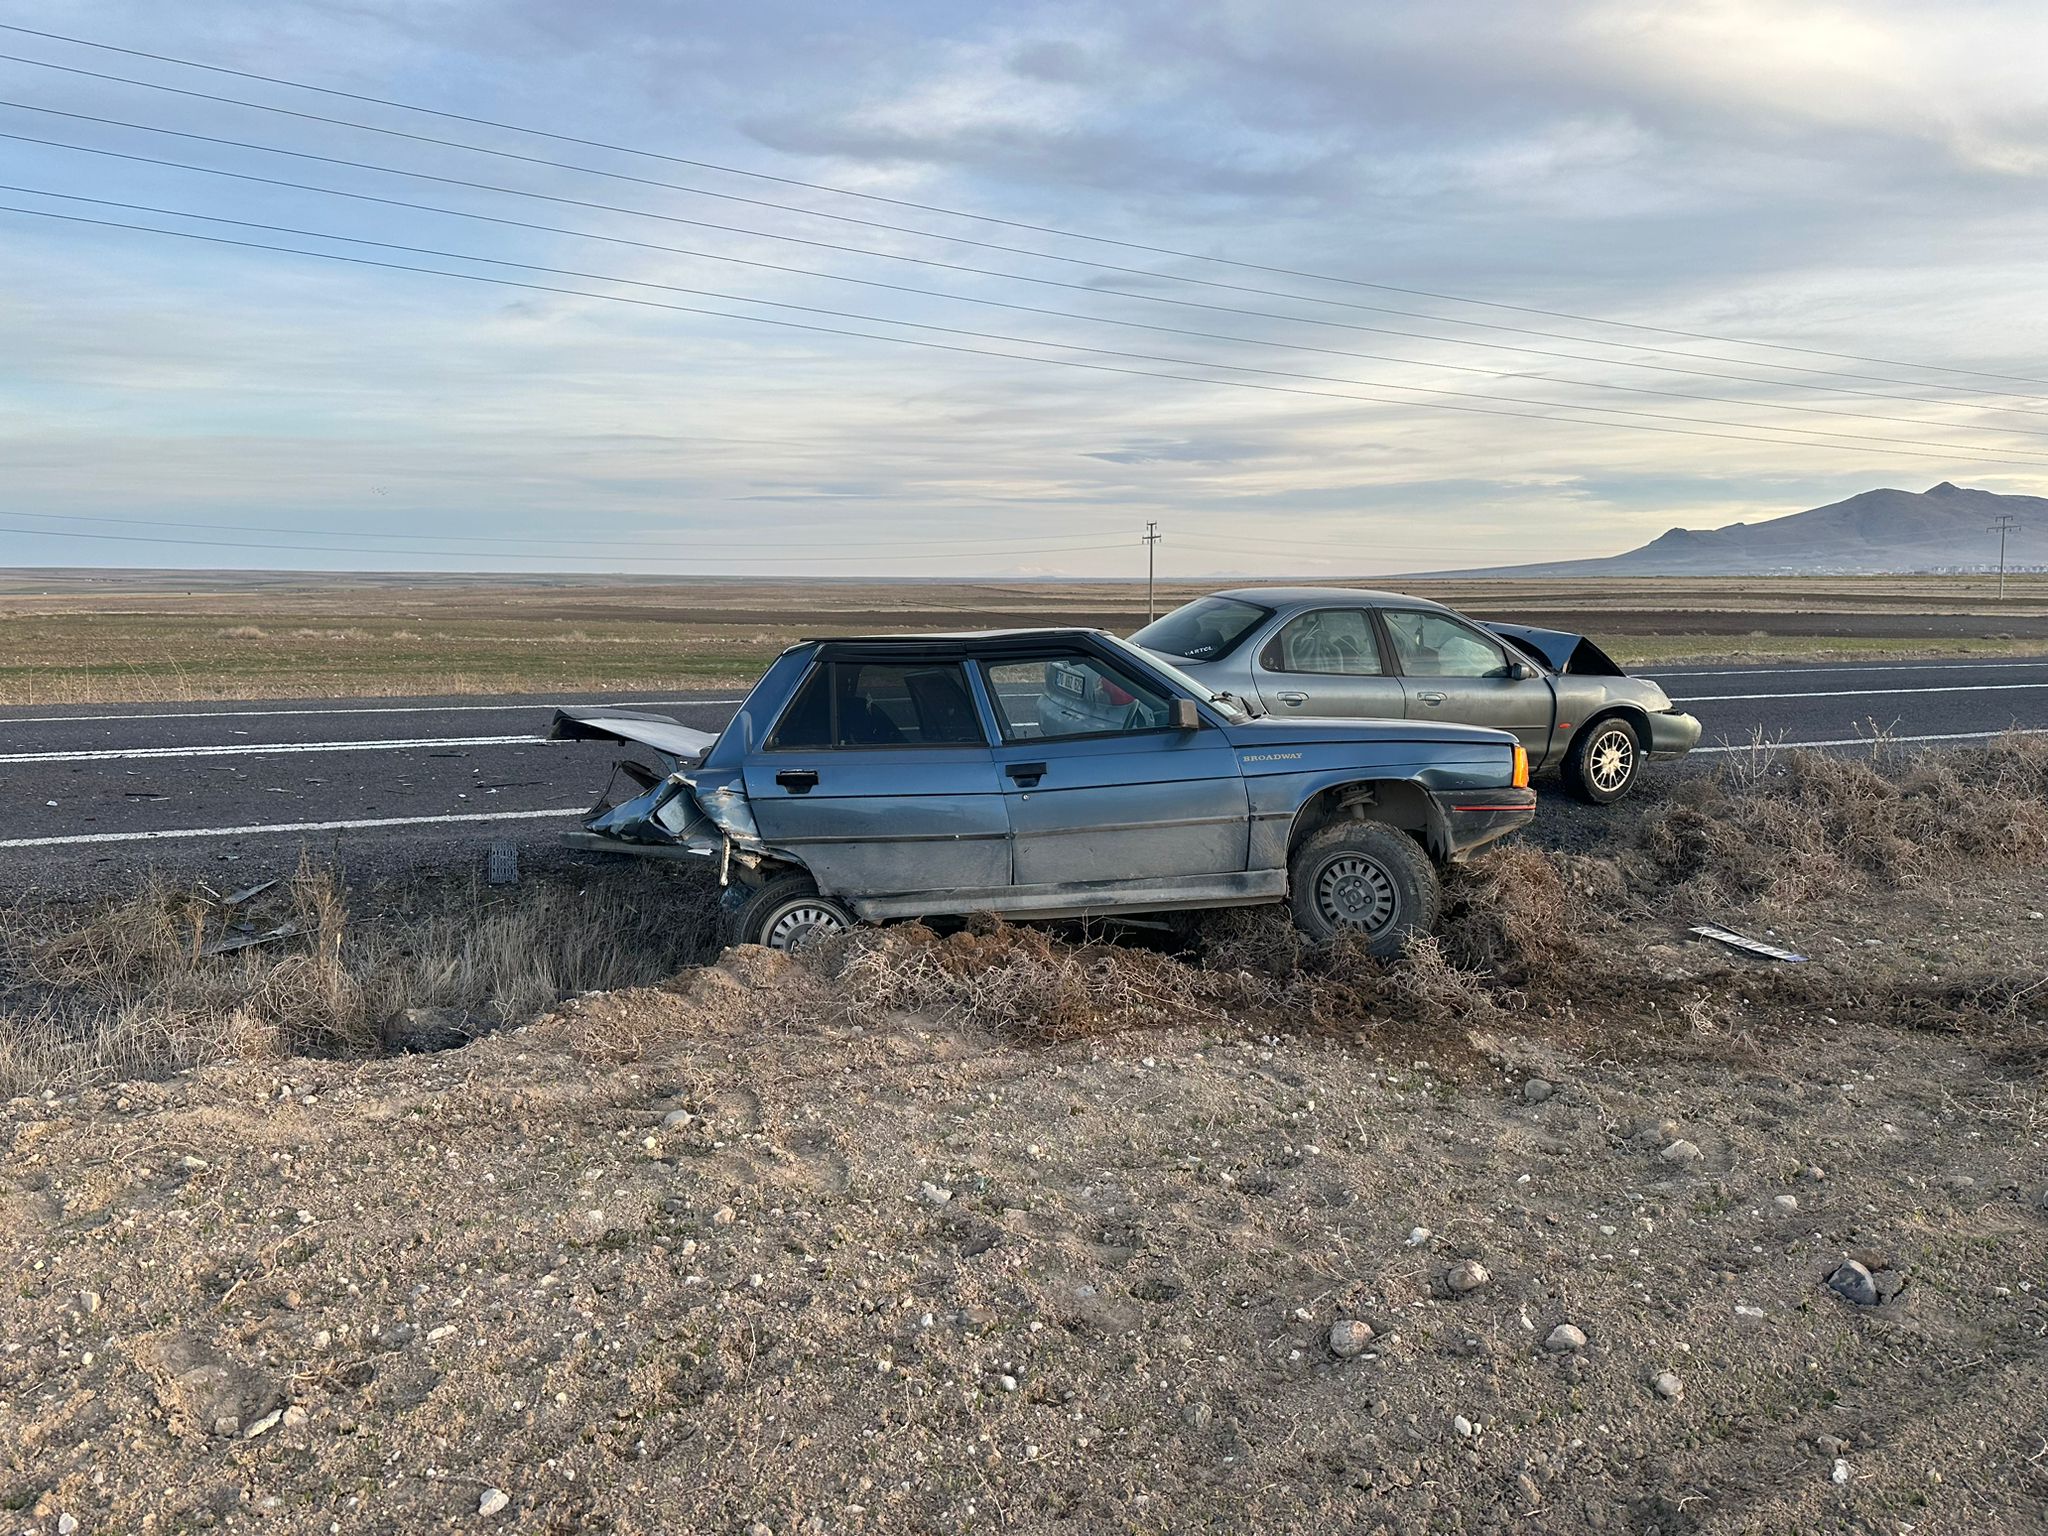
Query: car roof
{"points": [[1287, 597], [958, 637]]}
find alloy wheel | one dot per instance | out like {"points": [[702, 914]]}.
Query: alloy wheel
{"points": [[1355, 892], [801, 920], [1610, 761]]}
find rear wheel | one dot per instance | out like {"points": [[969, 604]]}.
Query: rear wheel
{"points": [[1363, 877], [1604, 762], [785, 912]]}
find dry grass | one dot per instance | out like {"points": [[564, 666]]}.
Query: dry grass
{"points": [[130, 991]]}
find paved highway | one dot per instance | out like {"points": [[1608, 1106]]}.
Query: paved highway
{"points": [[89, 797]]}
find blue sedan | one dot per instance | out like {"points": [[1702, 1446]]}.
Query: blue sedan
{"points": [[1048, 773]]}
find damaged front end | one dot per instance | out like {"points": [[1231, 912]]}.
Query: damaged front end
{"points": [[1560, 650], [673, 813]]}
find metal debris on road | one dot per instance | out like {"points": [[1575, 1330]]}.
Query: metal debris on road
{"points": [[1743, 942]]}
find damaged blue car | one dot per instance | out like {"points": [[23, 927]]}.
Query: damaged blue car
{"points": [[1047, 773]]}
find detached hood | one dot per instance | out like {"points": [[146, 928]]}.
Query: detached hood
{"points": [[1559, 650], [671, 738]]}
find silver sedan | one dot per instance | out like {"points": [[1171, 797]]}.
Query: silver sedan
{"points": [[1342, 651]]}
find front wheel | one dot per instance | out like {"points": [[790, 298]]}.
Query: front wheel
{"points": [[1363, 877], [786, 912], [1604, 762]]}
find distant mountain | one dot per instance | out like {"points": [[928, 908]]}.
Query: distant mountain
{"points": [[1883, 531]]}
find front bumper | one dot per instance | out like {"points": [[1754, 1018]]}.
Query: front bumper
{"points": [[1472, 818], [1673, 734]]}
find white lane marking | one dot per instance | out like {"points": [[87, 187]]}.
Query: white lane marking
{"points": [[1857, 693], [265, 749], [1866, 741], [1851, 666], [380, 709], [282, 826]]}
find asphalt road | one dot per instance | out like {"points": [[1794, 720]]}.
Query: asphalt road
{"points": [[230, 793]]}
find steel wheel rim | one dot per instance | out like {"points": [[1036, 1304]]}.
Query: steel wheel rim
{"points": [[800, 920], [1353, 891], [1610, 761]]}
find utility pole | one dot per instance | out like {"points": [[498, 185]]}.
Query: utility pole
{"points": [[1151, 541], [2003, 525]]}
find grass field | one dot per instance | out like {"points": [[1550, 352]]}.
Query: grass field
{"points": [[107, 637]]}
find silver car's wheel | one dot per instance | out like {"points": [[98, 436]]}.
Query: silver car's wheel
{"points": [[1604, 762], [804, 918], [1356, 892]]}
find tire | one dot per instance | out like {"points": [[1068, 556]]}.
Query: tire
{"points": [[1377, 874], [784, 913], [1605, 760]]}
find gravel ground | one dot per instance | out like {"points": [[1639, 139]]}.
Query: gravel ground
{"points": [[695, 1257]]}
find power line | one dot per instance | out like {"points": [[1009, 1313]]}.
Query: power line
{"points": [[1091, 289], [1029, 341], [2004, 525], [875, 197], [643, 545], [1036, 309], [364, 261], [470, 554]]}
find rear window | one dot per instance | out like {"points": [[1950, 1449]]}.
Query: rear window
{"points": [[1208, 629]]}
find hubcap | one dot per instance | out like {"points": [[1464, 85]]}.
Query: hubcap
{"points": [[799, 921], [1611, 761], [1353, 891]]}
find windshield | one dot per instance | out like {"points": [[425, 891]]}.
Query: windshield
{"points": [[1227, 703], [1208, 629]]}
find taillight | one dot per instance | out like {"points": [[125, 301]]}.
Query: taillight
{"points": [[1521, 780]]}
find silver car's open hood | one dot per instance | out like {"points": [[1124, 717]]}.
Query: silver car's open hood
{"points": [[1559, 650]]}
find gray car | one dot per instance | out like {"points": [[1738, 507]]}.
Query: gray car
{"points": [[1047, 773], [1349, 653]]}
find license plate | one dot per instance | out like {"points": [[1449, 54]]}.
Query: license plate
{"points": [[1071, 681]]}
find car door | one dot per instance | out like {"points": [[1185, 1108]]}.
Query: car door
{"points": [[1098, 783], [878, 775], [1327, 661], [1454, 670]]}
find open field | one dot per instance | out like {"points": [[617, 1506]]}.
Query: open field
{"points": [[1009, 1231], [105, 637]]}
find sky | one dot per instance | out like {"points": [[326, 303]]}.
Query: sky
{"points": [[1455, 277]]}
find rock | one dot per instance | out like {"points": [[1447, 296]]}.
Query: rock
{"points": [[1464, 1426], [1852, 1282], [1667, 1386], [1785, 1202], [1349, 1338], [1841, 1473], [493, 1501], [294, 1416], [264, 1425], [1417, 1236], [723, 1216], [89, 1302], [66, 1524], [1830, 1445], [934, 1194], [676, 1119], [1565, 1339], [1814, 1173], [1680, 1151], [1536, 1090], [1466, 1277]]}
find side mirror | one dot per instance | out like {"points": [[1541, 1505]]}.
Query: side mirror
{"points": [[1520, 671], [1185, 716]]}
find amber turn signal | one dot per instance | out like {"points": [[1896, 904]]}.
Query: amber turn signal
{"points": [[1521, 766]]}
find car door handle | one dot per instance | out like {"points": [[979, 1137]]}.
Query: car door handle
{"points": [[798, 781], [1291, 697], [1429, 698], [1026, 774]]}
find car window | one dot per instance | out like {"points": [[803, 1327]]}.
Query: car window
{"points": [[880, 704], [1329, 640], [1438, 645], [1207, 629], [1076, 695]]}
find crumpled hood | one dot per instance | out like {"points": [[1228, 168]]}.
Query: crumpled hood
{"points": [[1560, 650], [1297, 731]]}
